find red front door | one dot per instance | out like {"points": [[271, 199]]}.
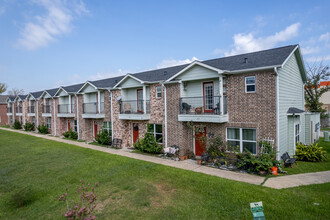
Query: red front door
{"points": [[69, 126], [135, 132], [95, 130], [200, 141]]}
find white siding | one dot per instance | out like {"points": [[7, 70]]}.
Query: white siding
{"points": [[131, 94], [130, 83], [90, 97], [195, 88], [290, 95], [63, 100], [197, 72], [88, 89], [62, 93]]}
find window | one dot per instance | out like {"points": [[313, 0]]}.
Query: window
{"points": [[157, 131], [33, 120], [297, 133], [208, 96], [244, 138], [159, 91], [250, 84], [107, 126], [48, 123], [75, 125]]}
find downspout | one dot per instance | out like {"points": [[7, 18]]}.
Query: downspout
{"points": [[23, 112], [165, 114], [111, 110], [277, 115], [37, 104], [77, 100], [54, 116]]}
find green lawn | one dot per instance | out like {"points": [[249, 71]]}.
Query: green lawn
{"points": [[307, 167], [133, 189], [325, 129]]}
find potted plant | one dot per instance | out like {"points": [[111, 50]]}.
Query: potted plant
{"points": [[199, 160], [199, 110]]}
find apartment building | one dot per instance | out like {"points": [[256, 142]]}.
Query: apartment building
{"points": [[244, 98]]}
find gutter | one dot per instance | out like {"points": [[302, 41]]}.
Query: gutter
{"points": [[277, 115], [76, 99], [165, 105], [111, 117], [54, 116], [252, 69]]}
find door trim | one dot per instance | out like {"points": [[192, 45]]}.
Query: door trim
{"points": [[209, 82]]}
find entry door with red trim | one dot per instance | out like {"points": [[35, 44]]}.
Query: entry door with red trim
{"points": [[95, 129], [208, 96], [200, 141], [135, 132]]}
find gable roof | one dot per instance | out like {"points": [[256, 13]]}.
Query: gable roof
{"points": [[23, 97], [52, 92], [73, 88], [36, 95], [3, 99], [107, 83]]}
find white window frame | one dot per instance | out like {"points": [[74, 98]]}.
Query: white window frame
{"points": [[296, 134], [250, 84], [241, 141], [108, 128], [49, 125], [159, 93], [154, 133]]}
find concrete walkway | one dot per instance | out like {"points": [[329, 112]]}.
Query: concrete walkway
{"points": [[275, 182]]}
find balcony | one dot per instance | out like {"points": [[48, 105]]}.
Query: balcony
{"points": [[19, 110], [134, 110], [93, 110], [31, 110], [203, 109], [46, 110], [65, 111]]}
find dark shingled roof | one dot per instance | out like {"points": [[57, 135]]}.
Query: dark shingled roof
{"points": [[22, 96], [294, 110], [3, 99], [107, 83], [37, 94], [52, 91], [265, 58], [73, 88]]}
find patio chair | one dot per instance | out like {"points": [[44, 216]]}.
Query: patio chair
{"points": [[288, 161]]}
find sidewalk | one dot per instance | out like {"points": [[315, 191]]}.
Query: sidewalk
{"points": [[275, 182]]}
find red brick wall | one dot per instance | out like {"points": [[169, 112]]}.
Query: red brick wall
{"points": [[3, 114]]}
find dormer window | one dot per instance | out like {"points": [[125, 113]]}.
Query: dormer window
{"points": [[250, 84]]}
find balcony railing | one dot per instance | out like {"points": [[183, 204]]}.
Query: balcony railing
{"points": [[19, 109], [46, 109], [31, 109], [9, 110], [92, 108], [134, 107], [64, 108], [202, 105]]}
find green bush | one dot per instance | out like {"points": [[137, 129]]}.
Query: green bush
{"points": [[66, 134], [103, 137], [148, 144], [70, 134], [43, 129], [216, 147], [311, 153], [29, 126], [17, 125]]}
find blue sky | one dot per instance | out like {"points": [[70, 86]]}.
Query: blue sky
{"points": [[45, 44]]}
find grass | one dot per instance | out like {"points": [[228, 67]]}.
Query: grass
{"points": [[100, 145], [307, 167], [325, 129], [5, 126], [35, 171]]}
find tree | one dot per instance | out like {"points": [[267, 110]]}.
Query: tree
{"points": [[15, 92], [3, 87], [313, 91]]}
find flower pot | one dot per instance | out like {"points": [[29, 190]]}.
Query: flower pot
{"points": [[199, 161], [186, 157], [198, 110], [182, 157], [274, 170]]}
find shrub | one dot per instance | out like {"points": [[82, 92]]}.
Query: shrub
{"points": [[148, 144], [43, 129], [17, 125], [66, 134], [311, 153], [103, 137], [28, 126]]}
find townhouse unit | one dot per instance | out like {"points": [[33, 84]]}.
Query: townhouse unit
{"points": [[4, 110], [244, 98]]}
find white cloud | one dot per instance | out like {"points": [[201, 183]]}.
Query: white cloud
{"points": [[99, 75], [318, 58], [57, 21], [325, 37], [173, 62], [309, 50], [244, 43]]}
